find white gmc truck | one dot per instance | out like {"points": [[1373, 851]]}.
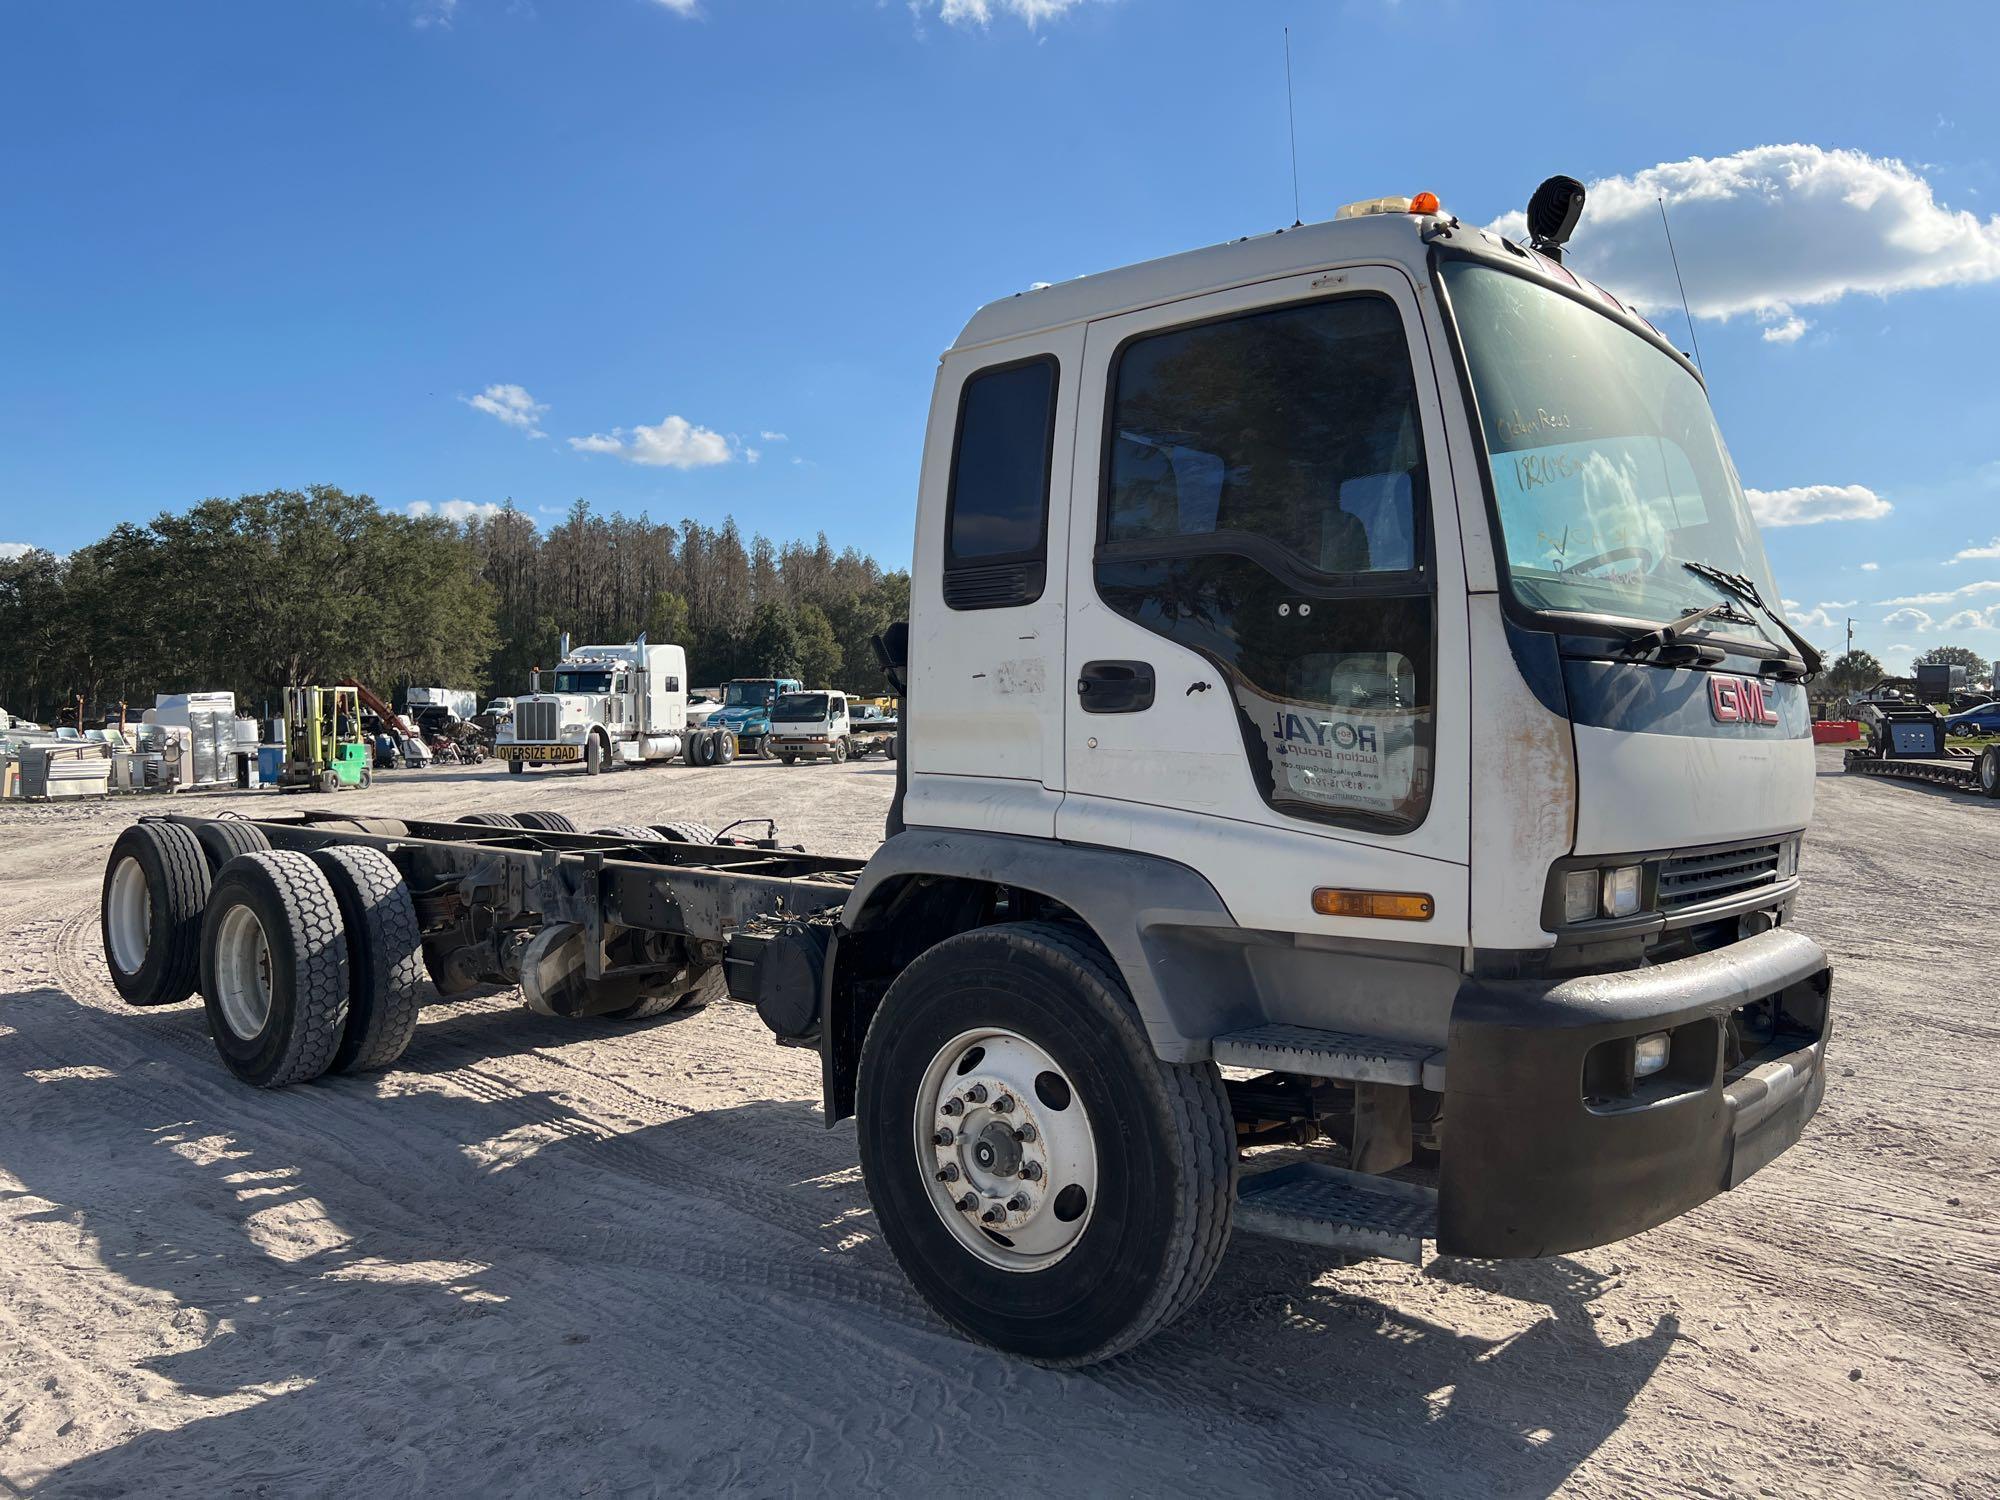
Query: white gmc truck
{"points": [[1351, 787]]}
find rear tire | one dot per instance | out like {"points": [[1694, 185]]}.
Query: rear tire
{"points": [[725, 748], [491, 820], [156, 884], [1989, 771], [1158, 1148], [222, 839], [385, 956], [631, 832], [274, 973], [685, 833], [547, 822]]}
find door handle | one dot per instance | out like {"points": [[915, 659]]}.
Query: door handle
{"points": [[1115, 687]]}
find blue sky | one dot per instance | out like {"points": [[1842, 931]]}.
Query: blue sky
{"points": [[384, 244]]}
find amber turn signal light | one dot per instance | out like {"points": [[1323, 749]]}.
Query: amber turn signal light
{"points": [[1401, 906], [1424, 203]]}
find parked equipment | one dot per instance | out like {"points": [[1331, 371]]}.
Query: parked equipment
{"points": [[1286, 693], [1907, 742], [746, 710], [325, 749], [611, 706]]}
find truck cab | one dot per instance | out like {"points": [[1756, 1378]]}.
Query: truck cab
{"points": [[746, 709], [809, 726], [609, 706]]}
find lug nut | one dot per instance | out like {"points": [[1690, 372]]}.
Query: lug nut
{"points": [[944, 1137], [992, 1216], [952, 1106], [1032, 1172], [1025, 1133], [948, 1172], [1018, 1203], [967, 1203], [977, 1093], [1004, 1105]]}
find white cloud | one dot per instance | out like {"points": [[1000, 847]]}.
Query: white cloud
{"points": [[1946, 596], [687, 8], [1773, 228], [1973, 619], [1810, 504], [981, 12], [1966, 554], [773, 437], [434, 13], [1913, 619], [751, 455], [1788, 332], [1819, 617], [512, 405], [11, 550], [1871, 567], [454, 510], [674, 443]]}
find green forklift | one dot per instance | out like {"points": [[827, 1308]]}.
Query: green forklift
{"points": [[324, 747]]}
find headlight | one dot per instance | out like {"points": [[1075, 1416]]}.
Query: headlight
{"points": [[1788, 858], [1649, 1054], [1579, 895], [1620, 893]]}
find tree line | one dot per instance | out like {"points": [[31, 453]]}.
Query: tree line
{"points": [[291, 587]]}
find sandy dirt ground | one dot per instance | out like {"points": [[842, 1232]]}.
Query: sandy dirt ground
{"points": [[583, 1258]]}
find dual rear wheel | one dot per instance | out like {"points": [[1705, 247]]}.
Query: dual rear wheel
{"points": [[307, 963]]}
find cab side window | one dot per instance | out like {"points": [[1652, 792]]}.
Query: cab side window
{"points": [[997, 509]]}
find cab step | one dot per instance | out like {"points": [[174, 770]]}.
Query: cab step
{"points": [[1344, 1055], [1341, 1210]]}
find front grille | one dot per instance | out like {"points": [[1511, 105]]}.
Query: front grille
{"points": [[1706, 876], [535, 723]]}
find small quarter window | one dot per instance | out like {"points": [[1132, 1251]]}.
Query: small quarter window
{"points": [[997, 512]]}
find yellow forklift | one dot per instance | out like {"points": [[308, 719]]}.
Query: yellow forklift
{"points": [[324, 747]]}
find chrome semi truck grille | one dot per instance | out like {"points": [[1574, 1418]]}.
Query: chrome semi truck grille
{"points": [[1697, 879], [535, 722]]}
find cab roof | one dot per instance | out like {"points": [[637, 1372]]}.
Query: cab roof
{"points": [[1392, 238]]}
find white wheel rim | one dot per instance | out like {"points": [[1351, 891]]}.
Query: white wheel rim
{"points": [[1003, 1141], [130, 912], [243, 973]]}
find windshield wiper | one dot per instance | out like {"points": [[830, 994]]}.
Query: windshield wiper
{"points": [[1667, 644], [1809, 660]]}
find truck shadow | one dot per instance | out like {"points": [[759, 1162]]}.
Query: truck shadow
{"points": [[437, 1282]]}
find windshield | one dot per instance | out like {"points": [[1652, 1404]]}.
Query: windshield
{"points": [[800, 708], [749, 694], [1607, 468], [576, 680]]}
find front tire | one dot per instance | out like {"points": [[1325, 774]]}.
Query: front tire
{"points": [[1113, 1220], [517, 767], [1989, 771], [593, 756]]}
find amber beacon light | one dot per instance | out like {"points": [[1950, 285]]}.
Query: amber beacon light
{"points": [[1400, 906]]}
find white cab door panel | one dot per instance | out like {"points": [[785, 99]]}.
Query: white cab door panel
{"points": [[1267, 635], [986, 619]]}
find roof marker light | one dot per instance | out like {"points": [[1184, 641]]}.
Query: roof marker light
{"points": [[1424, 203]]}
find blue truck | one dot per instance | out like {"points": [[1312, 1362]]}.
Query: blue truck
{"points": [[746, 710]]}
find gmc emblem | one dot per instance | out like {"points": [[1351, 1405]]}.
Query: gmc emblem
{"points": [[1739, 700]]}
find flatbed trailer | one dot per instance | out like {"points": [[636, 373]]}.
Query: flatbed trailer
{"points": [[1908, 744]]}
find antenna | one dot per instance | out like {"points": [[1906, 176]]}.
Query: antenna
{"points": [[1694, 337], [1292, 125]]}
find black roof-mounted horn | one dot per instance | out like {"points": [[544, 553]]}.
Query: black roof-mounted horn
{"points": [[1552, 215]]}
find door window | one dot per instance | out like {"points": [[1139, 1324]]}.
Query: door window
{"points": [[997, 511], [1265, 505]]}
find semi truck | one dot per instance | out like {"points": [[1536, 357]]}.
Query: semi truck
{"points": [[609, 706], [1352, 776]]}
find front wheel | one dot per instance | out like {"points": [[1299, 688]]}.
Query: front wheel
{"points": [[839, 751], [1989, 771], [517, 767], [1048, 1184]]}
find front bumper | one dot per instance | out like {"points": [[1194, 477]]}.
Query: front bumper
{"points": [[1549, 1148], [821, 749], [506, 750]]}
